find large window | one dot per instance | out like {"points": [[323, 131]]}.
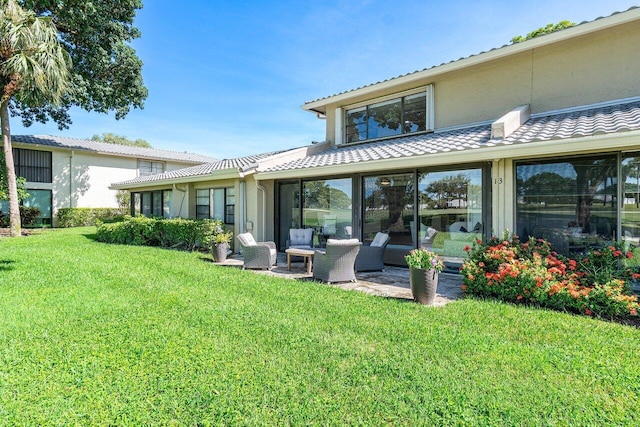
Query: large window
{"points": [[388, 206], [216, 203], [289, 211], [451, 214], [147, 167], [32, 165], [630, 220], [151, 203], [327, 208], [393, 117], [571, 202]]}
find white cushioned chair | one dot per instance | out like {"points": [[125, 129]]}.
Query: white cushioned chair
{"points": [[300, 238], [370, 257], [261, 255]]}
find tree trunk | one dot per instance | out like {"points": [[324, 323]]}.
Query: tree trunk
{"points": [[14, 207]]}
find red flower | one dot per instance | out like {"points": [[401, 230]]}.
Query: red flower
{"points": [[588, 312], [463, 287], [466, 248], [629, 255], [519, 297]]}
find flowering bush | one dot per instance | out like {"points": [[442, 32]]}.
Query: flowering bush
{"points": [[509, 269], [424, 259]]}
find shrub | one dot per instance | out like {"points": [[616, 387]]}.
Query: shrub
{"points": [[511, 270], [188, 234], [82, 217], [28, 216]]}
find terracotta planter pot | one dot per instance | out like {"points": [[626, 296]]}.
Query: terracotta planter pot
{"points": [[220, 252], [423, 285]]}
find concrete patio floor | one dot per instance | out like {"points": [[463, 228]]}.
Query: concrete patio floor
{"points": [[393, 282]]}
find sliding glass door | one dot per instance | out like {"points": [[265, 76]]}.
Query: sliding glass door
{"points": [[388, 207]]}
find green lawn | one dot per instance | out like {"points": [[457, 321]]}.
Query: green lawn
{"points": [[92, 333]]}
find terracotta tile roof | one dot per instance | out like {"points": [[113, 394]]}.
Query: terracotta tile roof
{"points": [[114, 149], [605, 119]]}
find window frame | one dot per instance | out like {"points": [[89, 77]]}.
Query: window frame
{"points": [[152, 169], [228, 209], [31, 171], [402, 97]]}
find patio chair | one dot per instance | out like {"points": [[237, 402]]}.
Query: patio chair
{"points": [[337, 262], [300, 238], [370, 257], [257, 254]]}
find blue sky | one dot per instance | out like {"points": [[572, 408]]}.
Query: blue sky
{"points": [[227, 78]]}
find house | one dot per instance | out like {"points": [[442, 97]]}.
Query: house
{"points": [[540, 137], [65, 172]]}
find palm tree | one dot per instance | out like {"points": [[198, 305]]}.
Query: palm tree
{"points": [[34, 69]]}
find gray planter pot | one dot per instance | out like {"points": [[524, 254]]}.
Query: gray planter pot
{"points": [[424, 284], [220, 252]]}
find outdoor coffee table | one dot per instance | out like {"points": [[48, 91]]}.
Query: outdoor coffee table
{"points": [[306, 254]]}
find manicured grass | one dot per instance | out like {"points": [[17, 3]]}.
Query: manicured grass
{"points": [[92, 333]]}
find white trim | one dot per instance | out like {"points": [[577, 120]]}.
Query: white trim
{"points": [[430, 109], [339, 128], [390, 97]]}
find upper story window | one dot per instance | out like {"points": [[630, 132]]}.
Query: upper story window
{"points": [[147, 167], [33, 165], [390, 117]]}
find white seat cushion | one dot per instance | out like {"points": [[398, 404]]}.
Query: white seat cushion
{"points": [[342, 242], [246, 239], [300, 236], [379, 240]]}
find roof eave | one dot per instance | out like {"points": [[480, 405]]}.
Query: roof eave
{"points": [[231, 173], [620, 141], [513, 49]]}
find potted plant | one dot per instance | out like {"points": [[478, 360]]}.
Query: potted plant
{"points": [[424, 267], [220, 244]]}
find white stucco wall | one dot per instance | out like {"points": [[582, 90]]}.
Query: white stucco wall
{"points": [[81, 179]]}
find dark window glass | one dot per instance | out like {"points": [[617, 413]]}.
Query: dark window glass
{"points": [[32, 165], [389, 118], [229, 205], [415, 117], [572, 203], [203, 210], [157, 203], [289, 211], [384, 119], [357, 125], [388, 207]]}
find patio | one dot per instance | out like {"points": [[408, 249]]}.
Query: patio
{"points": [[393, 282]]}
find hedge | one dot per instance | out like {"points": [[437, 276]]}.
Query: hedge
{"points": [[82, 217], [187, 234]]}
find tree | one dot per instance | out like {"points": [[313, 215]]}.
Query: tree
{"points": [[547, 29], [106, 73], [112, 138], [33, 71]]}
